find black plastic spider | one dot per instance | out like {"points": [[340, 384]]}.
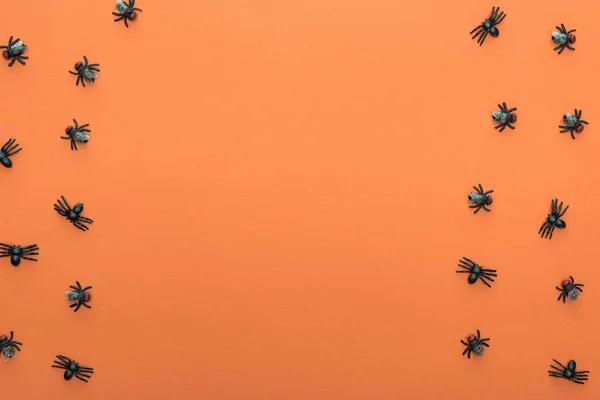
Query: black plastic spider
{"points": [[489, 26], [8, 346], [475, 271], [553, 220], [8, 150], [572, 123], [126, 11], [14, 51], [504, 117], [480, 199], [73, 369], [475, 345], [563, 38], [73, 215], [16, 252], [569, 289], [569, 372], [77, 135], [79, 297], [85, 72]]}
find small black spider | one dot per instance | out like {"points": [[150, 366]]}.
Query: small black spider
{"points": [[126, 11], [569, 289], [489, 26], [77, 135], [73, 369], [8, 346], [563, 38], [14, 51], [572, 123], [475, 271], [16, 252], [85, 72], [78, 296], [480, 199], [73, 214], [553, 220], [475, 344], [504, 117], [8, 150], [569, 372]]}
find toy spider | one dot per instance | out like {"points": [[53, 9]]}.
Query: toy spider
{"points": [[476, 272], [78, 296], [572, 123], [8, 150], [126, 11], [569, 289], [8, 346], [73, 214], [14, 51], [480, 199], [73, 369], [553, 220], [563, 38], [85, 72], [569, 372], [475, 344], [77, 135], [489, 26], [504, 117], [16, 252]]}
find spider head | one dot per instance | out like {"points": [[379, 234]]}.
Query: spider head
{"points": [[494, 31], [513, 118], [488, 200], [86, 297], [6, 54], [579, 128], [572, 38], [470, 338], [68, 130], [565, 283], [78, 66], [132, 16]]}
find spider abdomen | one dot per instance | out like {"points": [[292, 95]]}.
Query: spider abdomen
{"points": [[560, 224], [573, 295], [5, 161], [472, 278], [81, 137], [559, 38], [15, 260], [494, 31]]}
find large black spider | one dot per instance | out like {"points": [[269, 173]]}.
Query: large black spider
{"points": [[488, 26], [475, 345], [504, 117], [85, 72], [563, 38], [569, 289], [553, 220], [73, 214], [14, 51], [475, 271], [573, 123], [8, 346], [480, 199], [126, 11], [72, 368], [569, 372], [16, 253], [78, 296], [8, 150], [77, 135]]}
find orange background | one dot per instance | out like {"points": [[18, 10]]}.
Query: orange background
{"points": [[280, 196]]}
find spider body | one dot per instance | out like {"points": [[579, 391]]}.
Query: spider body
{"points": [[563, 38], [488, 26], [573, 123], [9, 347], [77, 135], [475, 345], [569, 289], [126, 11], [72, 214], [9, 149], [14, 51], [569, 372], [480, 199], [475, 271], [78, 296], [72, 369], [85, 72], [505, 117], [16, 253], [553, 220]]}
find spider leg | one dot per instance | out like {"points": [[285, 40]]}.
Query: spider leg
{"points": [[470, 261], [551, 232], [28, 258], [12, 61], [78, 285], [564, 30], [82, 82], [511, 110], [80, 227], [509, 125], [489, 274], [500, 18], [464, 272], [542, 227], [59, 366], [577, 288], [466, 350], [482, 276], [77, 306], [137, 9], [560, 296], [81, 379], [573, 134], [66, 204], [504, 108], [559, 364], [482, 38], [73, 144], [576, 381], [555, 375], [83, 374], [493, 13], [581, 121], [480, 189], [85, 305], [563, 211], [126, 24], [86, 288], [464, 264], [502, 127], [480, 28], [477, 210], [481, 279], [562, 48], [566, 45], [485, 344], [477, 190], [73, 73], [485, 208], [488, 192], [469, 352], [5, 245], [478, 334], [86, 220], [120, 15], [571, 31]]}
